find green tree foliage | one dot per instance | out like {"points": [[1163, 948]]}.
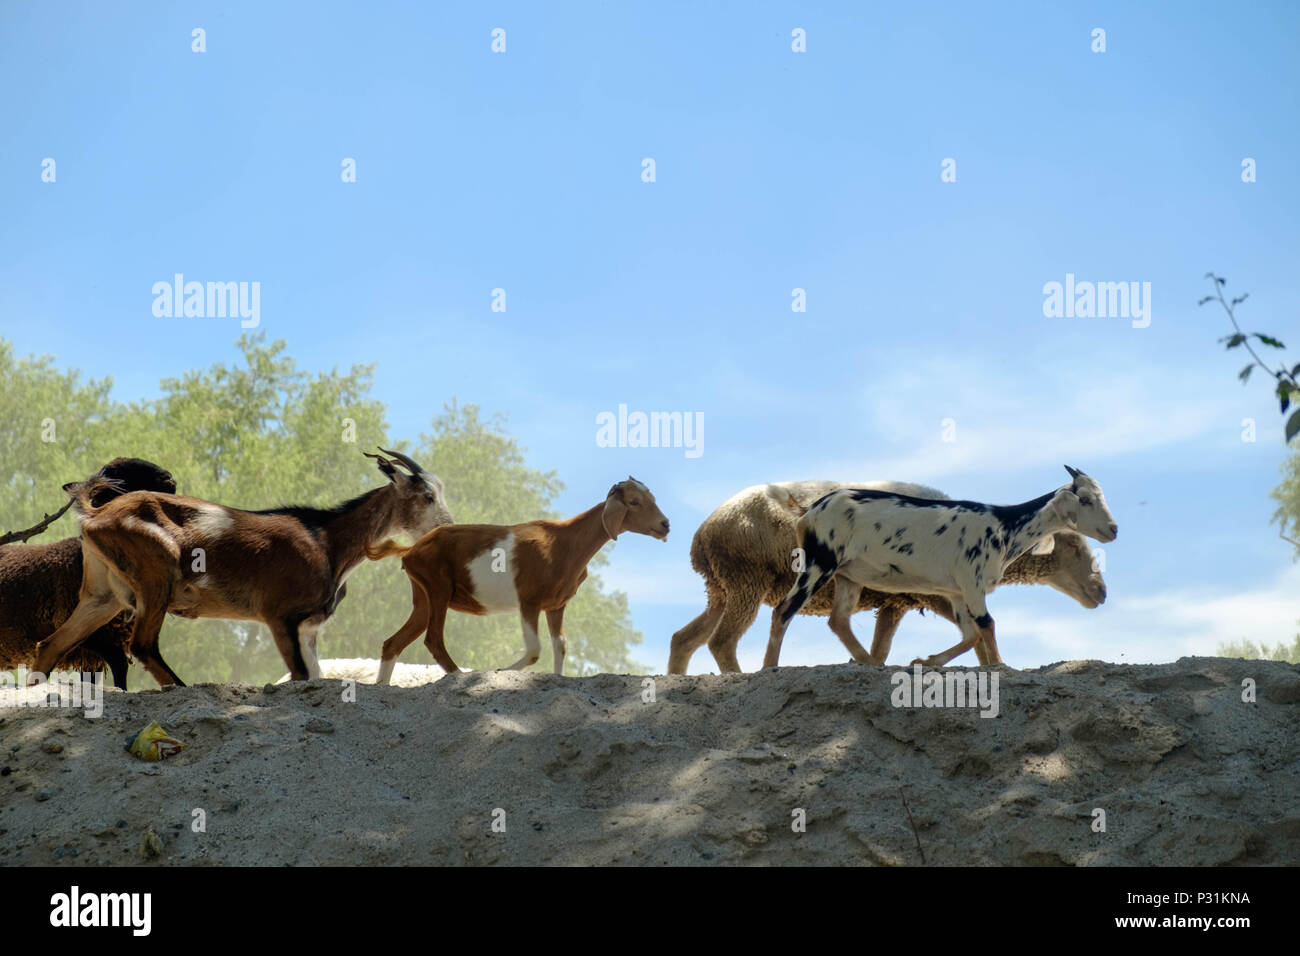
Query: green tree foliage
{"points": [[55, 428], [1287, 495], [1259, 652], [262, 433]]}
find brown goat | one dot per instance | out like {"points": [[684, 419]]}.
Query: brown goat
{"points": [[286, 567], [530, 568], [39, 585]]}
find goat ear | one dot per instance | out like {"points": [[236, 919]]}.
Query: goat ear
{"points": [[614, 514], [1066, 506], [1045, 545]]}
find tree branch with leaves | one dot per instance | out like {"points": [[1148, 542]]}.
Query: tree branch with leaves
{"points": [[1288, 388]]}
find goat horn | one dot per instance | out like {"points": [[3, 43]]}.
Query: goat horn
{"points": [[411, 464], [386, 466]]}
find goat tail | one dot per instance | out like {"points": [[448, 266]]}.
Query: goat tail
{"points": [[818, 569], [92, 494], [389, 547]]}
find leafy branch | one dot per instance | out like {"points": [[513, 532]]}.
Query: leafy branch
{"points": [[1288, 388]]}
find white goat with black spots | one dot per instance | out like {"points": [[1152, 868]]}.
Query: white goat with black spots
{"points": [[958, 549]]}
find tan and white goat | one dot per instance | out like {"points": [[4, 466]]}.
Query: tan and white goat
{"points": [[530, 568]]}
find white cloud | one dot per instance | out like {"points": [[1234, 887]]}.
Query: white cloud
{"points": [[1166, 626], [1009, 421], [1047, 419]]}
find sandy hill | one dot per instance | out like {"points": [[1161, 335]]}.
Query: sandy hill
{"points": [[585, 770]]}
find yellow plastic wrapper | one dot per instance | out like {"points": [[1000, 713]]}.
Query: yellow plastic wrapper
{"points": [[152, 743]]}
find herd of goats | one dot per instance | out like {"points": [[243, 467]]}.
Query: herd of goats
{"points": [[145, 551]]}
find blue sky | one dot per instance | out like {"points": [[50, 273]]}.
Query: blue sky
{"points": [[775, 170]]}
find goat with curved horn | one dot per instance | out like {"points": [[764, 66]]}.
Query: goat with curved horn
{"points": [[411, 464], [284, 567]]}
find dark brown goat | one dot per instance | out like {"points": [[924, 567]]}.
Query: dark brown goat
{"points": [[40, 585], [286, 567]]}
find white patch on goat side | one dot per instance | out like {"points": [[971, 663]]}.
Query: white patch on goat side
{"points": [[885, 575], [495, 590], [212, 521]]}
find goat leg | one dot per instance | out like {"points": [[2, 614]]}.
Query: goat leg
{"points": [[91, 613], [695, 634], [742, 608], [844, 603]]}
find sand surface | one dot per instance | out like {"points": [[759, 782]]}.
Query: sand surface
{"points": [[714, 771]]}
